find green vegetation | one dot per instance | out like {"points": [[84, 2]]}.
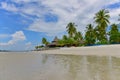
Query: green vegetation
{"points": [[38, 47], [102, 21], [94, 35], [71, 29], [90, 36], [114, 34], [44, 41]]}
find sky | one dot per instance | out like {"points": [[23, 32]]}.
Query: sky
{"points": [[23, 23]]}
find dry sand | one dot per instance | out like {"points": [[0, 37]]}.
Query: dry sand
{"points": [[104, 50]]}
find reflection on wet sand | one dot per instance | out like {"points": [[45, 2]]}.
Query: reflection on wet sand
{"points": [[58, 67]]}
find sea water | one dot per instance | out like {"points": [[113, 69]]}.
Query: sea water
{"points": [[32, 66]]}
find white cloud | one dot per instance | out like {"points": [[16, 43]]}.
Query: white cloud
{"points": [[114, 1], [16, 37], [19, 35], [79, 11], [115, 15], [9, 7], [50, 28]]}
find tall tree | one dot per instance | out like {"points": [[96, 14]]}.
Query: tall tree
{"points": [[71, 29], [78, 39], [90, 36], [102, 20], [68, 41], [78, 36], [44, 41], [65, 37], [114, 34]]}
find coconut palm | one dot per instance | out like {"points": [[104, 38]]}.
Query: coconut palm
{"points": [[71, 29], [78, 39], [78, 36], [114, 34], [102, 20], [44, 41], [65, 37], [90, 36]]}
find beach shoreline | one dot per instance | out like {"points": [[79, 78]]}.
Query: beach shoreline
{"points": [[102, 50]]}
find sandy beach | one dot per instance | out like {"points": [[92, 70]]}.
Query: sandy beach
{"points": [[75, 63], [104, 50]]}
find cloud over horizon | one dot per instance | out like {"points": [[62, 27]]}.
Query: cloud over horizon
{"points": [[16, 37]]}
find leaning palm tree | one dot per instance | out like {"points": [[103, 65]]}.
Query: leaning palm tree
{"points": [[71, 29], [102, 21]]}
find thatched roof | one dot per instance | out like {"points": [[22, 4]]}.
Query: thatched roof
{"points": [[55, 39], [54, 42]]}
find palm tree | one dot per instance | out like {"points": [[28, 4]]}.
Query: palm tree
{"points": [[114, 34], [71, 29], [78, 39], [78, 36], [90, 36], [102, 20], [65, 37], [63, 41], [44, 41]]}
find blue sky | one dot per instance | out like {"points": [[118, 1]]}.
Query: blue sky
{"points": [[23, 23]]}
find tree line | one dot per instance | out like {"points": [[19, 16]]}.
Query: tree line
{"points": [[94, 35]]}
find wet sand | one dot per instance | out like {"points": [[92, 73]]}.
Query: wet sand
{"points": [[71, 65]]}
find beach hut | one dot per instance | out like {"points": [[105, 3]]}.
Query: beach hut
{"points": [[54, 43]]}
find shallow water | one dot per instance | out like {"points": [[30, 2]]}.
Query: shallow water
{"points": [[31, 66]]}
